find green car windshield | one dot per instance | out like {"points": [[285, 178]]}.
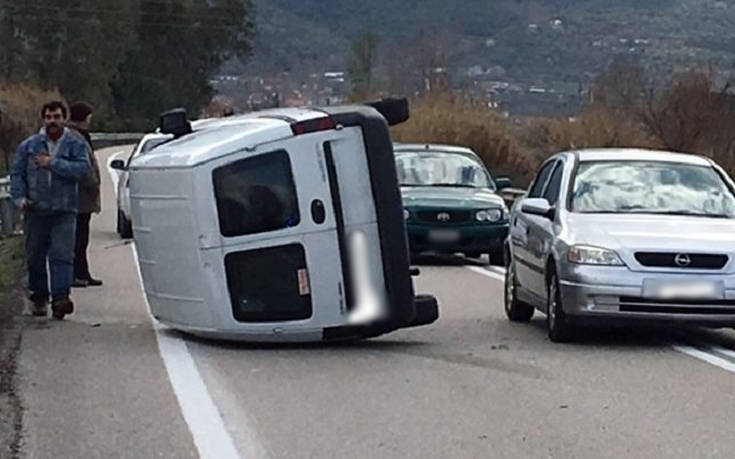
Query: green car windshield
{"points": [[441, 169]]}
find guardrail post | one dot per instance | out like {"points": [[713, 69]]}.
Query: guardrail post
{"points": [[8, 214]]}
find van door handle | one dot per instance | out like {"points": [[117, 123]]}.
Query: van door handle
{"points": [[318, 212]]}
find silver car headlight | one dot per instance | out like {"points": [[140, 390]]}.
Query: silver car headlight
{"points": [[588, 255], [489, 215]]}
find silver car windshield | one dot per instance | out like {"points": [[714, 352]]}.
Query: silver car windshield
{"points": [[652, 188], [441, 169]]}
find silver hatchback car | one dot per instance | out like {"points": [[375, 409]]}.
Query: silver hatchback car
{"points": [[619, 234]]}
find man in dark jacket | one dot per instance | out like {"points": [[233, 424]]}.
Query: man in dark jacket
{"points": [[43, 183], [80, 120]]}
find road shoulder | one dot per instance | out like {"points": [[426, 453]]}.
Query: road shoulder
{"points": [[11, 332]]}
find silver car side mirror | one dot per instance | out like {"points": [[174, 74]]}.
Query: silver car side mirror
{"points": [[538, 206]]}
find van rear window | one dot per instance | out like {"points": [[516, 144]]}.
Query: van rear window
{"points": [[254, 294], [256, 195]]}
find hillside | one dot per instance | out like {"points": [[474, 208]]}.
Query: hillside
{"points": [[553, 44]]}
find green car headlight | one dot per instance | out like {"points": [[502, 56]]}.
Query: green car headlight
{"points": [[489, 215]]}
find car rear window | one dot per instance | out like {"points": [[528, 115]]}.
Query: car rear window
{"points": [[256, 195]]}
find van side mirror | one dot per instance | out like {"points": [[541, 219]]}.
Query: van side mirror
{"points": [[501, 183], [538, 206], [117, 164], [175, 122]]}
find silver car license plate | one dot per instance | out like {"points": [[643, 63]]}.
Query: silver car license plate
{"points": [[684, 290], [444, 236]]}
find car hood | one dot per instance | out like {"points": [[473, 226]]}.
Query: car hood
{"points": [[425, 196], [629, 233]]}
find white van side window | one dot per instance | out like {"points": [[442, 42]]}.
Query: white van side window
{"points": [[256, 195]]}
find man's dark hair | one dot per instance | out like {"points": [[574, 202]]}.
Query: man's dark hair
{"points": [[79, 111], [53, 106]]}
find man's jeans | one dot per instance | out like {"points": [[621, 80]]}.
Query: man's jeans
{"points": [[52, 237]]}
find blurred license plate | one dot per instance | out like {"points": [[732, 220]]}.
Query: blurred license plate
{"points": [[683, 290], [443, 235]]}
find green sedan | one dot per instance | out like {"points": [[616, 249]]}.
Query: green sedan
{"points": [[450, 201]]}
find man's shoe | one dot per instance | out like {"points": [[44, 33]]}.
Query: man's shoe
{"points": [[61, 307], [94, 282], [40, 305], [80, 283]]}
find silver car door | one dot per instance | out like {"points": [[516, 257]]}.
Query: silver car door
{"points": [[521, 227], [541, 233]]}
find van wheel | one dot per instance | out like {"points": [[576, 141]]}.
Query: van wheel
{"points": [[516, 310], [124, 226], [556, 321]]}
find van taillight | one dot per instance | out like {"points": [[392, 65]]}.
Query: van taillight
{"points": [[314, 125]]}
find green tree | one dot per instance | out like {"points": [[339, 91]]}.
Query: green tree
{"points": [[132, 59], [75, 46], [180, 45]]}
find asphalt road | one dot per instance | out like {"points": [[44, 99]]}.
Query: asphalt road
{"points": [[106, 383]]}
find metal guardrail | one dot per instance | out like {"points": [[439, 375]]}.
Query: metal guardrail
{"points": [[510, 195], [103, 140], [9, 214]]}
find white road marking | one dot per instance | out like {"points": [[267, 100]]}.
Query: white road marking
{"points": [[485, 272], [705, 356], [207, 428], [709, 355], [724, 351]]}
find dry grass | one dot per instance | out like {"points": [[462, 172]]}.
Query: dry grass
{"points": [[21, 105], [444, 118], [596, 126], [691, 115]]}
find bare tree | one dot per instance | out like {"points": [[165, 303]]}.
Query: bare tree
{"points": [[363, 62], [621, 87], [419, 65], [693, 113]]}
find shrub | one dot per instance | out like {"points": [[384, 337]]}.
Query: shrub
{"points": [[596, 126], [20, 105]]}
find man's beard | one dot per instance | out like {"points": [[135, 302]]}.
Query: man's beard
{"points": [[53, 130]]}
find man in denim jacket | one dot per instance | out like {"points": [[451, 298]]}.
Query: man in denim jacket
{"points": [[43, 183]]}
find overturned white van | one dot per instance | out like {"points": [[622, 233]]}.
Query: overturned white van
{"points": [[281, 225]]}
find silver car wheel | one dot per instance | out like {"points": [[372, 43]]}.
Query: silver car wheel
{"points": [[552, 303], [510, 287]]}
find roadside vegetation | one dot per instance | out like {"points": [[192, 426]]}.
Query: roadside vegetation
{"points": [[692, 112], [20, 103], [11, 264]]}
